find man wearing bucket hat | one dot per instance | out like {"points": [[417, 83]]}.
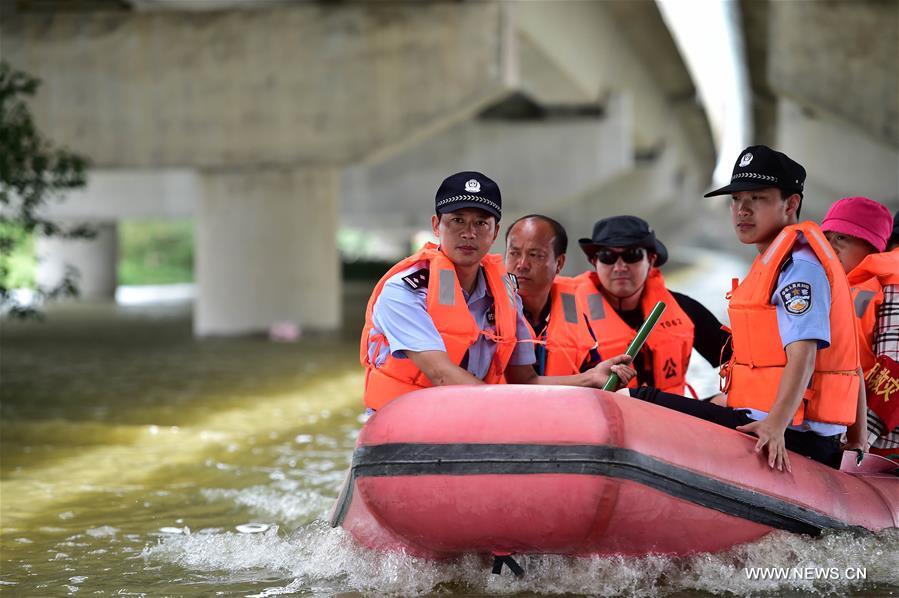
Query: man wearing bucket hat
{"points": [[450, 313], [794, 379], [859, 228], [622, 289]]}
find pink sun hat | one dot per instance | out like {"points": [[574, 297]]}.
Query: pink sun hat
{"points": [[860, 217]]}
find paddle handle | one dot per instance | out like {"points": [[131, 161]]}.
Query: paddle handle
{"points": [[638, 341]]}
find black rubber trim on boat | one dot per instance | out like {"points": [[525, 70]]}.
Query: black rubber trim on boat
{"points": [[343, 499], [411, 459]]}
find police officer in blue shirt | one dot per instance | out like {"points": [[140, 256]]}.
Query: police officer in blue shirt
{"points": [[766, 197], [399, 325]]}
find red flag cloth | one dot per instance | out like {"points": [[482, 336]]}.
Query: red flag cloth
{"points": [[882, 388]]}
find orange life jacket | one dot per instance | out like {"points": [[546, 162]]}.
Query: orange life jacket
{"points": [[448, 309], [669, 345], [754, 372], [866, 284], [568, 339]]}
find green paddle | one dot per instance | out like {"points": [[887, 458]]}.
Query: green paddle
{"points": [[638, 341]]}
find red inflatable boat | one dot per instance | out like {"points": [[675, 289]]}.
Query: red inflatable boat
{"points": [[528, 469]]}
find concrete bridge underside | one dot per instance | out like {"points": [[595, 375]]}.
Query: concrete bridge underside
{"points": [[825, 80], [275, 126]]}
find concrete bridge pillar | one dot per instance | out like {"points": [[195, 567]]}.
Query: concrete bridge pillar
{"points": [[266, 250], [95, 260]]}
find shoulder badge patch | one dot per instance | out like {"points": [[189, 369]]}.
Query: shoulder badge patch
{"points": [[418, 279], [797, 297]]}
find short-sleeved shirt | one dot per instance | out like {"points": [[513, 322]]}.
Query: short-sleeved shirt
{"points": [[401, 314], [802, 302], [802, 299]]}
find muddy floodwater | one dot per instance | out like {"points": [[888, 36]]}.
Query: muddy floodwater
{"points": [[140, 461]]}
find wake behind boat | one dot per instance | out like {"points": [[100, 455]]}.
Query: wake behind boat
{"points": [[507, 469]]}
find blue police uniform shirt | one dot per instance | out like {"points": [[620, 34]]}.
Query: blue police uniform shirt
{"points": [[802, 299], [400, 313], [802, 302]]}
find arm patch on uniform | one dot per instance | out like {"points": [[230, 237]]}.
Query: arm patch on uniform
{"points": [[418, 279], [797, 297]]}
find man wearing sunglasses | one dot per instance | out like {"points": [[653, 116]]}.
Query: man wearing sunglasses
{"points": [[623, 288], [450, 313], [555, 307]]}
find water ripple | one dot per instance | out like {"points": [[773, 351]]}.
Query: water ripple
{"points": [[316, 555]]}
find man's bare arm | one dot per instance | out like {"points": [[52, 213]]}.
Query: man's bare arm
{"points": [[440, 370], [594, 377], [796, 375]]}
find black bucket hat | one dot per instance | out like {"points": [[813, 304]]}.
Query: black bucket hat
{"points": [[623, 231]]}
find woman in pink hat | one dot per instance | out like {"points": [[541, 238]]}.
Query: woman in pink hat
{"points": [[859, 228]]}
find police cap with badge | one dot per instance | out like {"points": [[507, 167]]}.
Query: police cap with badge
{"points": [[469, 189], [759, 167]]}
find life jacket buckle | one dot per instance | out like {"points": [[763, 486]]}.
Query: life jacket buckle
{"points": [[724, 374]]}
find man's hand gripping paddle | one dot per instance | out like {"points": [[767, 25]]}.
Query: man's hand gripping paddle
{"points": [[638, 341]]}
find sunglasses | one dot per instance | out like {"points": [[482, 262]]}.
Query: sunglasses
{"points": [[631, 255]]}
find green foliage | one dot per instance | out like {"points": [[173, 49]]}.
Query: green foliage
{"points": [[20, 263], [32, 171], [156, 252]]}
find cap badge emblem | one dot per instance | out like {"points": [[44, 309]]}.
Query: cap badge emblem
{"points": [[472, 186], [745, 160]]}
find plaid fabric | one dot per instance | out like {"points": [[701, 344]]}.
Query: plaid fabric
{"points": [[886, 342], [886, 333]]}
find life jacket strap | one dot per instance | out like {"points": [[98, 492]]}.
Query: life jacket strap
{"points": [[491, 336], [724, 373], [692, 390]]}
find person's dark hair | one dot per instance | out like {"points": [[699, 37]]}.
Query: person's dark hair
{"points": [[560, 237], [893, 241], [784, 195]]}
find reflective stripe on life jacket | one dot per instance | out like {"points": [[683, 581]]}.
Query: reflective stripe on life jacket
{"points": [[669, 345], [448, 309], [567, 338], [866, 282], [756, 367]]}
